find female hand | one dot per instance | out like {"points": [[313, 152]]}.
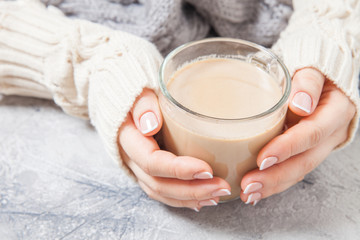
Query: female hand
{"points": [[318, 121], [175, 181]]}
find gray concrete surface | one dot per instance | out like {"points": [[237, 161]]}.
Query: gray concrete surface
{"points": [[57, 182]]}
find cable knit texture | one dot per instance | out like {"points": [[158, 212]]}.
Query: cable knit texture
{"points": [[96, 72], [169, 23], [257, 21], [328, 39], [166, 23], [89, 70]]}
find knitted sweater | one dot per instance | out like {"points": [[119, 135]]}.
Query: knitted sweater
{"points": [[92, 71], [169, 23]]}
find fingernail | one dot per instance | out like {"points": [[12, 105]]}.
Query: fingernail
{"points": [[268, 162], [255, 202], [221, 192], [253, 187], [148, 122], [302, 101], [203, 175], [253, 197], [208, 203], [196, 209]]}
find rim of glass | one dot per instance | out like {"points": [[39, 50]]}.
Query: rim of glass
{"points": [[174, 52]]}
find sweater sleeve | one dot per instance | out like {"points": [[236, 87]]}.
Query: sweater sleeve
{"points": [[326, 35], [89, 70]]}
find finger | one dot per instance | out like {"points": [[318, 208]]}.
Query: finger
{"points": [[183, 189], [307, 85], [155, 189], [193, 204], [311, 130], [155, 162], [262, 184], [146, 113]]}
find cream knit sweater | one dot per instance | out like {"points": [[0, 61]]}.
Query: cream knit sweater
{"points": [[94, 72]]}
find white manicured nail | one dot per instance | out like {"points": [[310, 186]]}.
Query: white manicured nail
{"points": [[255, 202], [268, 162], [148, 122], [303, 101], [221, 193], [210, 202], [253, 187], [253, 197], [196, 209], [203, 175]]}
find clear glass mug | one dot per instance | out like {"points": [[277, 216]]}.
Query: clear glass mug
{"points": [[189, 133]]}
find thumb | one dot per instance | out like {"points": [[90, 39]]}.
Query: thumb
{"points": [[146, 113], [307, 85]]}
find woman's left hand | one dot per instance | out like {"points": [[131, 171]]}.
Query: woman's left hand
{"points": [[318, 121]]}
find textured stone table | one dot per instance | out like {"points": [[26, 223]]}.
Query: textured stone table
{"points": [[57, 182]]}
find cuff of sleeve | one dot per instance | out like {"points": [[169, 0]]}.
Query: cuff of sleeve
{"points": [[115, 83], [335, 61]]}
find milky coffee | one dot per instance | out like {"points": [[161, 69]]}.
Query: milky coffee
{"points": [[216, 90]]}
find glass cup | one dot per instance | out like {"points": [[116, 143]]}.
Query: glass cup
{"points": [[230, 146]]}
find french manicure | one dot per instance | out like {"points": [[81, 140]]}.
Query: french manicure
{"points": [[203, 175], [221, 192], [148, 122], [253, 197], [210, 202], [303, 101], [255, 202], [196, 209], [253, 187], [268, 162]]}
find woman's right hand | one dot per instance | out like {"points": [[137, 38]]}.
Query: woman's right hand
{"points": [[178, 181]]}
